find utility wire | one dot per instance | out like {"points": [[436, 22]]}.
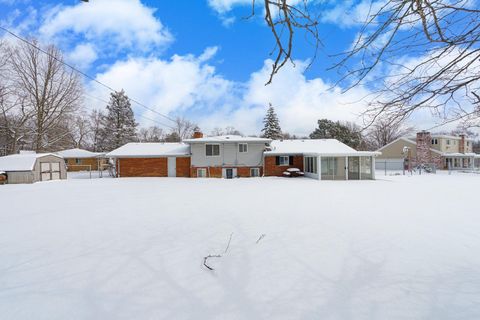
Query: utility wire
{"points": [[81, 72]]}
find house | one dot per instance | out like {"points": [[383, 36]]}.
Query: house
{"points": [[152, 160], [443, 151], [79, 159], [29, 167], [232, 156], [322, 159], [227, 156]]}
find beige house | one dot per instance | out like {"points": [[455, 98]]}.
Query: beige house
{"points": [[441, 150]]}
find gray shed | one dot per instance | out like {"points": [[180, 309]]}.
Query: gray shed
{"points": [[33, 167]]}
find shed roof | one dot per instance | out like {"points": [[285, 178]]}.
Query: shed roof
{"points": [[150, 150], [79, 153], [227, 138], [314, 146], [22, 162]]}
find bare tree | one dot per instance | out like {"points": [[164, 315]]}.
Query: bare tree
{"points": [[48, 90], [427, 50], [96, 117], [183, 128], [383, 131], [80, 130], [150, 134]]}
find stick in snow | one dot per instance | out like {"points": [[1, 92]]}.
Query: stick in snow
{"points": [[205, 259], [260, 238]]}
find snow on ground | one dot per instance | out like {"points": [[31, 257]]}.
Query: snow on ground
{"points": [[397, 248]]}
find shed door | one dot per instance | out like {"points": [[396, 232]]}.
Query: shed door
{"points": [[45, 171], [55, 167], [172, 167]]}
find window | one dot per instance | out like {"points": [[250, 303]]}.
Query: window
{"points": [[468, 143], [202, 173], [311, 164], [254, 172], [283, 160], [212, 150], [434, 141], [329, 165], [78, 161], [242, 147], [448, 142]]}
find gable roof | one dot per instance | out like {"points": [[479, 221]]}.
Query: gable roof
{"points": [[227, 139], [150, 150], [79, 153], [22, 162], [314, 146]]}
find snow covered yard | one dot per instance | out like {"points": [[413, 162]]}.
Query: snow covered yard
{"points": [[397, 248]]}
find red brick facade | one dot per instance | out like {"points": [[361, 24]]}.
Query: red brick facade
{"points": [[142, 167], [272, 169], [183, 167], [216, 172]]}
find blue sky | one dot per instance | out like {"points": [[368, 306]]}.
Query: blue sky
{"points": [[197, 59]]}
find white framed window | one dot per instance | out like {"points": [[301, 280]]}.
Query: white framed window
{"points": [[212, 150], [254, 172], [448, 142], [468, 144], [283, 160], [311, 164], [434, 141], [78, 161], [243, 147], [201, 173]]}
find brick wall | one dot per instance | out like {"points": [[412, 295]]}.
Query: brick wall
{"points": [[142, 167], [271, 169], [216, 172], [461, 146], [183, 167]]}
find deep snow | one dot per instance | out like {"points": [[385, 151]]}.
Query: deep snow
{"points": [[396, 248]]}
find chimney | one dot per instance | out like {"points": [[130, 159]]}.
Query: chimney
{"points": [[461, 147], [197, 134], [424, 143]]}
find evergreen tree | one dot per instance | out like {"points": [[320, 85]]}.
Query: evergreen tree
{"points": [[271, 127], [347, 133], [118, 125]]}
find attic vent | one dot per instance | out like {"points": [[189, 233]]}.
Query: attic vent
{"points": [[227, 137]]}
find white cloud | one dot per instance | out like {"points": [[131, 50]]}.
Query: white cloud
{"points": [[352, 13], [223, 6], [82, 55], [189, 85], [121, 24]]}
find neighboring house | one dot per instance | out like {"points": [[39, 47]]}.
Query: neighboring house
{"points": [[227, 156], [152, 160], [80, 160], [441, 150], [29, 167], [322, 159], [236, 156]]}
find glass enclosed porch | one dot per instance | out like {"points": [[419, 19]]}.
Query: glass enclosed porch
{"points": [[324, 167]]}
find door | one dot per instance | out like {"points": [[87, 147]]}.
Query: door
{"points": [[172, 166], [45, 171], [55, 168], [353, 168], [229, 173]]}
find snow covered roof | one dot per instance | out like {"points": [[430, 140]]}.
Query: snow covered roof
{"points": [[79, 153], [315, 146], [227, 138], [22, 162], [149, 150], [458, 154]]}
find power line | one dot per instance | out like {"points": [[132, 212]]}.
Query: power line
{"points": [[140, 115], [82, 73]]}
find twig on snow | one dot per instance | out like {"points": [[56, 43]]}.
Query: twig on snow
{"points": [[260, 238], [205, 259]]}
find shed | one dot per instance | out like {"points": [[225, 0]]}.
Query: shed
{"points": [[152, 160], [81, 160], [33, 167]]}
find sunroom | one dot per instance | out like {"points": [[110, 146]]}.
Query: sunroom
{"points": [[328, 159]]}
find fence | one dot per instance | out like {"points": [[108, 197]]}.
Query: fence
{"points": [[389, 167]]}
